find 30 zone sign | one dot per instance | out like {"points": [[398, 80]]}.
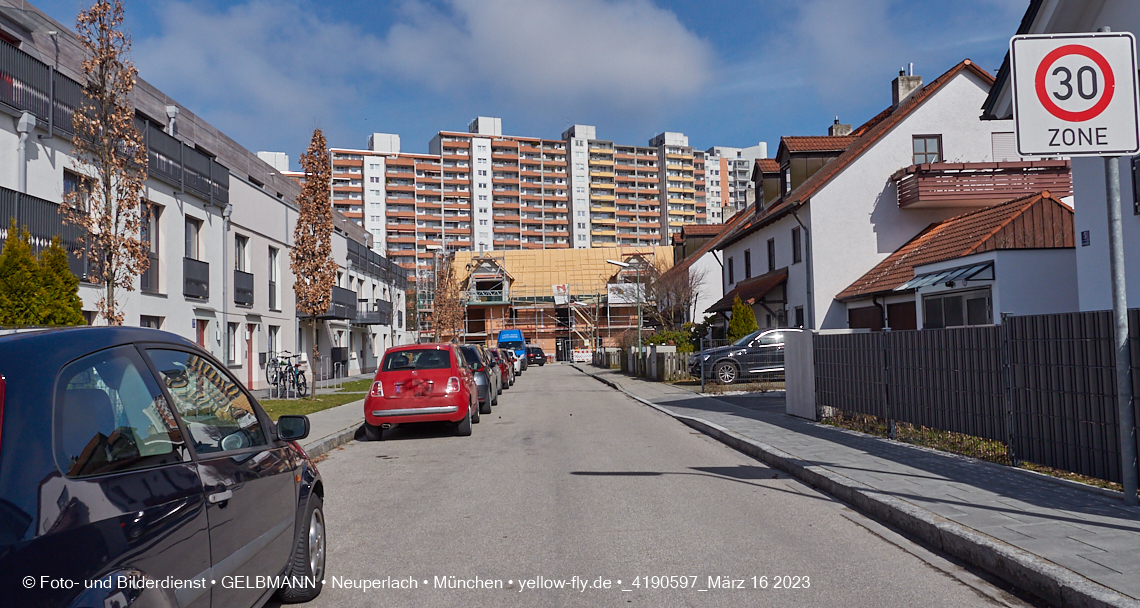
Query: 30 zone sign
{"points": [[1075, 94]]}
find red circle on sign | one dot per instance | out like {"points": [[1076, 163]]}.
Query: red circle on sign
{"points": [[1098, 59]]}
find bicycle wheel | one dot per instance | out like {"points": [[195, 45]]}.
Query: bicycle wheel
{"points": [[302, 384], [271, 372]]}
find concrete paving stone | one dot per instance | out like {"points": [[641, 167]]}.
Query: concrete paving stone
{"points": [[1079, 563], [1128, 584], [1108, 540], [983, 521], [1124, 562], [1052, 548], [1047, 530]]}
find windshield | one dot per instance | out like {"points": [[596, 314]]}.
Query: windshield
{"points": [[417, 359], [511, 345], [746, 339], [471, 355]]}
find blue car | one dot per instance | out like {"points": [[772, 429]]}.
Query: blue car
{"points": [[136, 471]]}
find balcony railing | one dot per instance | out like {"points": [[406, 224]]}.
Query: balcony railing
{"points": [[938, 185], [243, 288], [343, 305], [43, 221], [487, 296], [195, 279], [378, 312]]}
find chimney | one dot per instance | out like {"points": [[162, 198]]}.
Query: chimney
{"points": [[904, 86], [837, 129]]}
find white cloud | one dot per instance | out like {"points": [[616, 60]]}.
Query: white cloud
{"points": [[627, 52]]}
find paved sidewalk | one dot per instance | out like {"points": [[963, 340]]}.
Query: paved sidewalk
{"points": [[1065, 543], [333, 427]]}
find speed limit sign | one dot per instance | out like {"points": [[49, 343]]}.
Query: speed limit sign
{"points": [[1075, 94]]}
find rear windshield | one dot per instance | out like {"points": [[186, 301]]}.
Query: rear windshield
{"points": [[471, 355], [417, 359]]}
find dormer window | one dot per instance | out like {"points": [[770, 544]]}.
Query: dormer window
{"points": [[786, 178]]}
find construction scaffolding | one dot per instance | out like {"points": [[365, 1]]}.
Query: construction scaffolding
{"points": [[562, 300]]}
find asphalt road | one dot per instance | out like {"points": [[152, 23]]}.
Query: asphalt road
{"points": [[570, 478]]}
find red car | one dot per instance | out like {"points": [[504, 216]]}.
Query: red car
{"points": [[421, 383], [507, 369]]}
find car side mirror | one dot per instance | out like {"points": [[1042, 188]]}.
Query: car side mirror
{"points": [[292, 428]]}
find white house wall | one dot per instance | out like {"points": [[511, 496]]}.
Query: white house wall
{"points": [[856, 219]]}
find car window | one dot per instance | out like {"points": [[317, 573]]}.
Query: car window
{"points": [[218, 415], [772, 338], [471, 355], [417, 359], [746, 339], [111, 415]]}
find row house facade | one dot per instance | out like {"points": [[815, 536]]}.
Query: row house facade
{"points": [[844, 202], [220, 221]]}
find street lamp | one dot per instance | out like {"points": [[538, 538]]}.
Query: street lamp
{"points": [[637, 277]]}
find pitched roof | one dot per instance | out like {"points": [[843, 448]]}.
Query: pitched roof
{"points": [[702, 229], [751, 290], [817, 143], [684, 264], [1038, 221], [868, 135], [768, 165]]}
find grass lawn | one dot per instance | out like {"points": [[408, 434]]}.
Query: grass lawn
{"points": [[280, 407]]}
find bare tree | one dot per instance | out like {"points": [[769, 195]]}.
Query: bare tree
{"points": [[109, 151], [314, 269], [672, 293], [447, 309]]}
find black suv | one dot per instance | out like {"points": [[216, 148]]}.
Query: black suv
{"points": [[535, 356], [759, 354], [136, 471]]}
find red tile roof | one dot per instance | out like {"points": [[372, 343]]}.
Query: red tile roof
{"points": [[817, 143], [702, 229], [1038, 221], [768, 165], [751, 290], [867, 134]]}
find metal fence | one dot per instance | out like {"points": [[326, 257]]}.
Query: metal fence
{"points": [[1042, 385]]}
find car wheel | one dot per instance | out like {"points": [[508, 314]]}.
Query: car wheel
{"points": [[495, 401], [725, 372], [373, 432], [308, 561], [463, 427]]}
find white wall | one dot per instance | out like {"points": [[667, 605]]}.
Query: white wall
{"points": [[757, 242], [483, 237], [711, 288], [1091, 215]]}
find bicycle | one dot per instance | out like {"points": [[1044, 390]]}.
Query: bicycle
{"points": [[294, 375], [272, 373]]}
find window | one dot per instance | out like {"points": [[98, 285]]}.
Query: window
{"points": [[799, 316], [482, 222], [787, 179], [748, 263], [110, 416], [151, 322], [374, 179], [274, 339], [796, 249], [217, 413], [731, 272], [193, 228], [927, 149], [771, 255], [273, 278], [957, 309], [241, 247], [231, 343], [148, 281], [482, 185], [482, 197]]}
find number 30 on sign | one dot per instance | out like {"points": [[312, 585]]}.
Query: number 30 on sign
{"points": [[1075, 94]]}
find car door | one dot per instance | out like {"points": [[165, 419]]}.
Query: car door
{"points": [[249, 479], [768, 349], [129, 502]]}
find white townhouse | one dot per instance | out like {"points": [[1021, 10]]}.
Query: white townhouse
{"points": [[1089, 192], [221, 223], [846, 201]]}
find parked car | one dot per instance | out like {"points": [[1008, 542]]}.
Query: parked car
{"points": [[535, 356], [512, 339], [131, 455], [505, 367], [517, 362], [421, 383], [760, 354], [485, 381]]}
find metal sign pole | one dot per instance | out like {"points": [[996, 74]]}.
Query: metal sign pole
{"points": [[1120, 332]]}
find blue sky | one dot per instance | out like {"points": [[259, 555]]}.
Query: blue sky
{"points": [[724, 72]]}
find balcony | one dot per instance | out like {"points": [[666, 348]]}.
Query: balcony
{"points": [[195, 279], [243, 288], [477, 297], [378, 312], [946, 185], [343, 305]]}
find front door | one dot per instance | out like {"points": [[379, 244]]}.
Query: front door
{"points": [[200, 331], [251, 493]]}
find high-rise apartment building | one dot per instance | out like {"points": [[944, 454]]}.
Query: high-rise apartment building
{"points": [[728, 179]]}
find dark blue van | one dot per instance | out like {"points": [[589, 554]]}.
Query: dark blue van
{"points": [[136, 471], [512, 339]]}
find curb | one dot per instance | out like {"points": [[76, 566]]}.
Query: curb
{"points": [[329, 443], [1055, 584]]}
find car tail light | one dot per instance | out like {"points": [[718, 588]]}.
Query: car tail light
{"points": [[452, 385], [377, 389]]}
